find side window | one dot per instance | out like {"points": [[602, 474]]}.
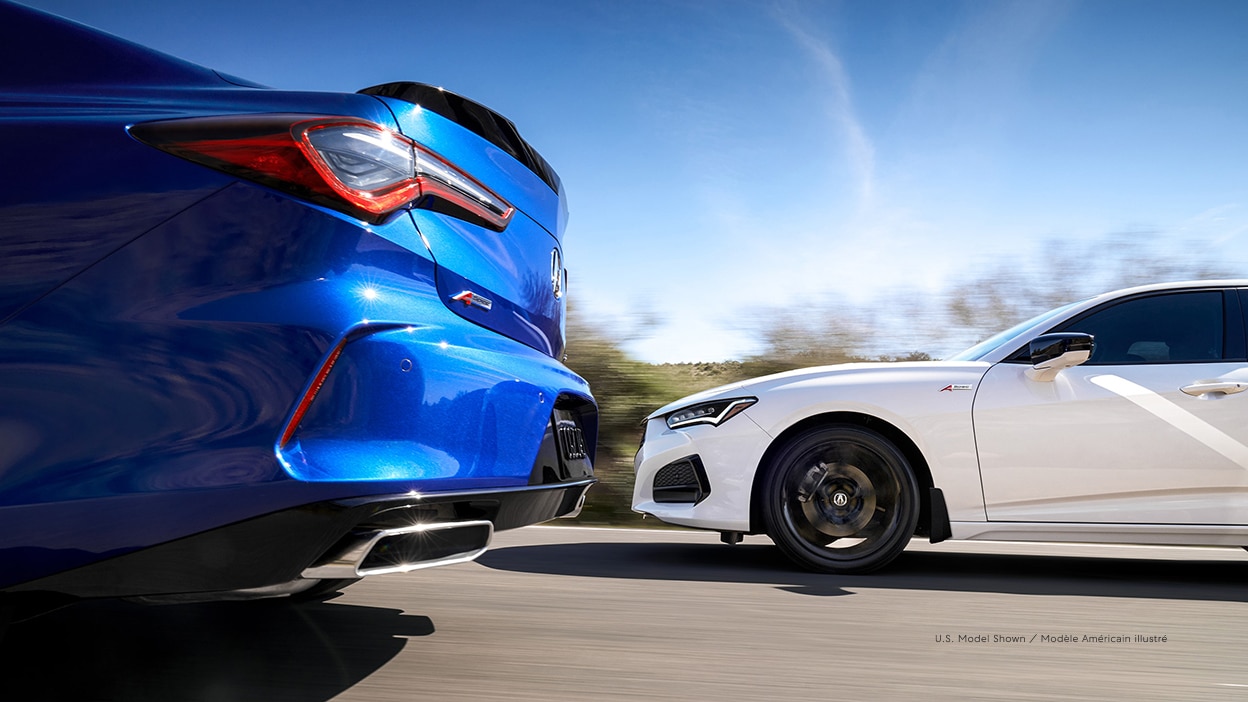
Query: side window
{"points": [[1172, 328]]}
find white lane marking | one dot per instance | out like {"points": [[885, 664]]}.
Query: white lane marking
{"points": [[1176, 417]]}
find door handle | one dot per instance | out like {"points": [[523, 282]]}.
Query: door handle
{"points": [[1226, 388]]}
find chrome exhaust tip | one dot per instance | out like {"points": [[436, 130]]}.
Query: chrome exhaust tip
{"points": [[580, 505], [404, 549]]}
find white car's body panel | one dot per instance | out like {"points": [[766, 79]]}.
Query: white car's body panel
{"points": [[1130, 453], [1183, 462], [917, 398], [727, 508], [1156, 534]]}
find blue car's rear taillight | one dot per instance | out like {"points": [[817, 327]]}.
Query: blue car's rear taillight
{"points": [[347, 164]]}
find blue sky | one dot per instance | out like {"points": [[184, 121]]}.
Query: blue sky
{"points": [[726, 157]]}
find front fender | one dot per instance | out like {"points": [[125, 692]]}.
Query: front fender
{"points": [[930, 403]]}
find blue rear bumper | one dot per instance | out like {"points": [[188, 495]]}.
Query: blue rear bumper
{"points": [[147, 399]]}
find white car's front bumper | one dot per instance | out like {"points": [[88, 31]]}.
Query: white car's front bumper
{"points": [[729, 453]]}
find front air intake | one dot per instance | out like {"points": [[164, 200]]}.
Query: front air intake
{"points": [[682, 481]]}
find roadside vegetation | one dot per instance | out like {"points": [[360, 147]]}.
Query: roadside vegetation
{"points": [[902, 325]]}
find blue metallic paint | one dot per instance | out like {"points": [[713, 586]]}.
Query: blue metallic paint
{"points": [[512, 271], [505, 175], [469, 419], [159, 320]]}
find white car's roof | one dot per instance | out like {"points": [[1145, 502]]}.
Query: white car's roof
{"points": [[1153, 287]]}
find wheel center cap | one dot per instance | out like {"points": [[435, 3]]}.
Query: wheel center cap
{"points": [[840, 499]]}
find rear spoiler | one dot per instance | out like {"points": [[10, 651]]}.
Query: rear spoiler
{"points": [[473, 116]]}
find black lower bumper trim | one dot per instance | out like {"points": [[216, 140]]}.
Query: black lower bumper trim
{"points": [[277, 547]]}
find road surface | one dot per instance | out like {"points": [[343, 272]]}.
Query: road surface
{"points": [[565, 613]]}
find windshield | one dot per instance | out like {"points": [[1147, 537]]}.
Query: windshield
{"points": [[990, 344]]}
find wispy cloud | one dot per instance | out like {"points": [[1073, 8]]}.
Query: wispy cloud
{"points": [[975, 78], [859, 148], [1220, 225]]}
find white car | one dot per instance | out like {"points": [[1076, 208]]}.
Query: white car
{"points": [[1120, 418]]}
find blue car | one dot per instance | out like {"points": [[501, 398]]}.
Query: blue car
{"points": [[260, 343]]}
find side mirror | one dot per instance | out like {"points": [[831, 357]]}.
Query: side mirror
{"points": [[1053, 353]]}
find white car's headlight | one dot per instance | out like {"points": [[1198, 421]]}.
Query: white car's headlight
{"points": [[714, 413]]}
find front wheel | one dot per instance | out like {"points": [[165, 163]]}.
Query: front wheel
{"points": [[840, 499]]}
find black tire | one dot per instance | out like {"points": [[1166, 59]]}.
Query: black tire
{"points": [[840, 499]]}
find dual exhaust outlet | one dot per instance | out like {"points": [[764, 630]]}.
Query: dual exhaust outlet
{"points": [[403, 549]]}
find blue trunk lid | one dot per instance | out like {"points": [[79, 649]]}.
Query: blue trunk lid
{"points": [[510, 281]]}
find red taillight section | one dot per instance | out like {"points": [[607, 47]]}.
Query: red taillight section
{"points": [[348, 164], [306, 401]]}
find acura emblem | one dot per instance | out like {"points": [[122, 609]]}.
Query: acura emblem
{"points": [[556, 273]]}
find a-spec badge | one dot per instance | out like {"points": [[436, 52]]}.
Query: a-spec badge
{"points": [[471, 299], [951, 388], [556, 273]]}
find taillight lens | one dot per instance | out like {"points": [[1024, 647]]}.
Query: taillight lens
{"points": [[369, 166], [348, 164]]}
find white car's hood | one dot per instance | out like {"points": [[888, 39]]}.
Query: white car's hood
{"points": [[938, 374]]}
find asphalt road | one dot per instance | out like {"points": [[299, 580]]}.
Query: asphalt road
{"points": [[581, 614]]}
